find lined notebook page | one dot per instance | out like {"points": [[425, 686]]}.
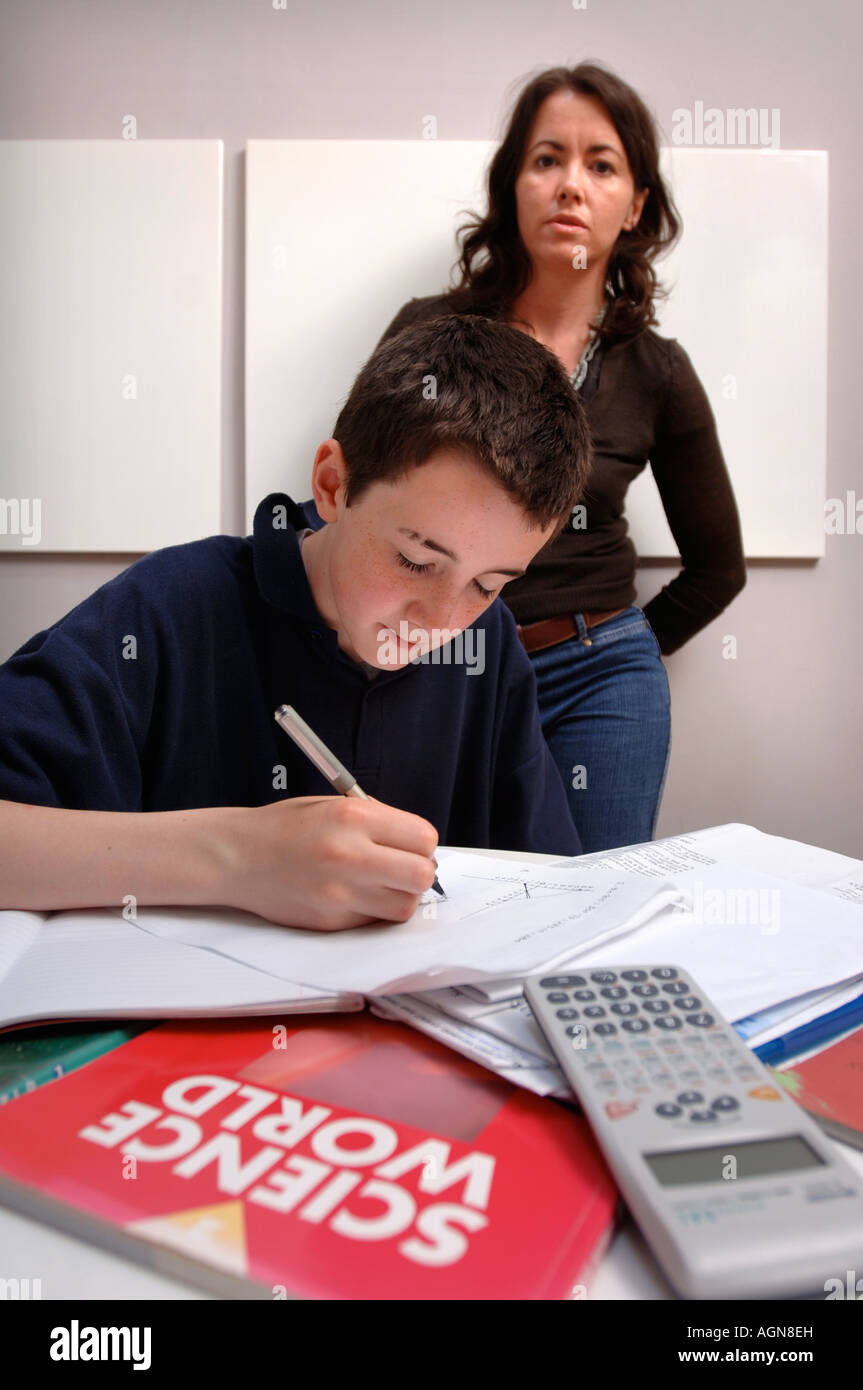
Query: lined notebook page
{"points": [[96, 964], [18, 932]]}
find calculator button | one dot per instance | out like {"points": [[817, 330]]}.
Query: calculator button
{"points": [[672, 1021], [562, 981], [656, 1006], [668, 1110], [690, 1098], [633, 975], [603, 977], [690, 1002], [664, 972], [613, 992], [645, 991], [594, 1011], [557, 996], [625, 1010], [764, 1093], [618, 1110], [745, 1073], [604, 1030], [635, 1025], [566, 1013], [725, 1103], [700, 1020], [676, 987], [576, 1030], [703, 1116], [584, 994]]}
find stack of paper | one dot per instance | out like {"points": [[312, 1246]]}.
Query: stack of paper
{"points": [[762, 923], [773, 930]]}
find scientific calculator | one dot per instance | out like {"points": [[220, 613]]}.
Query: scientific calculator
{"points": [[737, 1191]]}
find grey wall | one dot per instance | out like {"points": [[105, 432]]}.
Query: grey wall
{"points": [[772, 738]]}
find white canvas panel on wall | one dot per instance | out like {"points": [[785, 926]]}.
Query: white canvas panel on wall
{"points": [[111, 304], [339, 234], [748, 301]]}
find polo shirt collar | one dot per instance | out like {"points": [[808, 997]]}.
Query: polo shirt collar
{"points": [[279, 569], [282, 580]]}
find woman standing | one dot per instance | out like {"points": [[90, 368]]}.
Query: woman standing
{"points": [[577, 212]]}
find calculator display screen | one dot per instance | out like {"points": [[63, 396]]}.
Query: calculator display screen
{"points": [[755, 1159]]}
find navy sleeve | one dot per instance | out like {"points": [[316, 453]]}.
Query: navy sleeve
{"points": [[75, 703]]}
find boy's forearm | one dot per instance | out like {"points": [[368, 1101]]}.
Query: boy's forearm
{"points": [[52, 858]]}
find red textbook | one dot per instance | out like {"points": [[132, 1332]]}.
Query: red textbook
{"points": [[343, 1157], [830, 1086]]}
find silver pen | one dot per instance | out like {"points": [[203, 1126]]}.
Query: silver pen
{"points": [[326, 762]]}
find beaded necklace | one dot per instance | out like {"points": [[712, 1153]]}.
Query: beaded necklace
{"points": [[578, 376]]}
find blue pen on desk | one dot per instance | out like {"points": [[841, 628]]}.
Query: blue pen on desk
{"points": [[810, 1035], [326, 762]]}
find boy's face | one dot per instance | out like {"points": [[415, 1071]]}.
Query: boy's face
{"points": [[413, 561]]}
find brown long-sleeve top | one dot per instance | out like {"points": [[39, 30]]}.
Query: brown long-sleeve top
{"points": [[645, 404]]}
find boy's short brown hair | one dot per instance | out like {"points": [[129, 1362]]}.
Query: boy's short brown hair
{"points": [[470, 382]]}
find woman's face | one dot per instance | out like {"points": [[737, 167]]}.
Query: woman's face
{"points": [[574, 167]]}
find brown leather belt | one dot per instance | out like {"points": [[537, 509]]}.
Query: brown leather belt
{"points": [[536, 636]]}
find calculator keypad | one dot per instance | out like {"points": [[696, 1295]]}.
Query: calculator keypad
{"points": [[671, 1041]]}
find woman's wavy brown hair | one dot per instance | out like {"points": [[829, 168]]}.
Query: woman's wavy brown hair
{"points": [[491, 287]]}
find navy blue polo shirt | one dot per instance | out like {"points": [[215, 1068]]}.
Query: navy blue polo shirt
{"points": [[157, 693]]}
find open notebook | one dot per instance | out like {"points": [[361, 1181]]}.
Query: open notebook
{"points": [[757, 919], [98, 964], [189, 962]]}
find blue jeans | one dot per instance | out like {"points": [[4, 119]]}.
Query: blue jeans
{"points": [[606, 715]]}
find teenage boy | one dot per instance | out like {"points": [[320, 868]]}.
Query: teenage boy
{"points": [[138, 749]]}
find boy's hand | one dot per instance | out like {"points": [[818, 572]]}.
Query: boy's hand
{"points": [[327, 862]]}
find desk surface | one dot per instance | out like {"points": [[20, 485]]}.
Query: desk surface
{"points": [[72, 1269]]}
